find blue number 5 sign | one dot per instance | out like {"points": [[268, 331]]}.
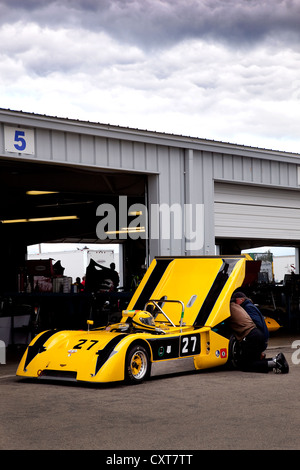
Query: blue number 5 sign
{"points": [[19, 140]]}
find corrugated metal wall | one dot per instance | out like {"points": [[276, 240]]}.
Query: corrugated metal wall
{"points": [[255, 170], [100, 152], [180, 170], [256, 212]]}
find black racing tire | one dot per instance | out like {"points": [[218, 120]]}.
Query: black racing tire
{"points": [[137, 364], [234, 352]]}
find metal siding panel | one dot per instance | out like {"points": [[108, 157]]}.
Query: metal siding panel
{"points": [[256, 212], [101, 152], [283, 174], [151, 158], [73, 148], [114, 153], [170, 182], [139, 155], [193, 193], [58, 146], [228, 167], [127, 154], [237, 168], [275, 178], [163, 163], [175, 176], [189, 186], [2, 138], [198, 179], [292, 171], [208, 201], [266, 172], [247, 169], [256, 171], [176, 196], [218, 165], [43, 144], [88, 149], [153, 198], [164, 173]]}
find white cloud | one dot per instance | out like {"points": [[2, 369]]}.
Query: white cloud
{"points": [[190, 84], [44, 50]]}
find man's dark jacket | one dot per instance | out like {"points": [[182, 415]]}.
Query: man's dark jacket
{"points": [[257, 317]]}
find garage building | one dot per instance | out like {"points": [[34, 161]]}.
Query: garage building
{"points": [[169, 194]]}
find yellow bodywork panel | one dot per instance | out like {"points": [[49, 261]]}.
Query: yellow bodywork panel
{"points": [[272, 324], [200, 283], [214, 350], [182, 280], [71, 351]]}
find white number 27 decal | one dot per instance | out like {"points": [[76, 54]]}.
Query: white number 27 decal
{"points": [[190, 345]]}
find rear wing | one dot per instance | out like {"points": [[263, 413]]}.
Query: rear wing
{"points": [[204, 286]]}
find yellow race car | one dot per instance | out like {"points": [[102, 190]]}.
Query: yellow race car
{"points": [[178, 311]]}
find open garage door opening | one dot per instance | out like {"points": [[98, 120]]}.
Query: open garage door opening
{"points": [[43, 203], [263, 222], [248, 217]]}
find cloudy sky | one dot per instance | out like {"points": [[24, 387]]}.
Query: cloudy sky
{"points": [[227, 70]]}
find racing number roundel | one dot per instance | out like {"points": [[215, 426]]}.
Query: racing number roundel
{"points": [[222, 353]]}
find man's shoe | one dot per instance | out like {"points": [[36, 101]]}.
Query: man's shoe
{"points": [[281, 365]]}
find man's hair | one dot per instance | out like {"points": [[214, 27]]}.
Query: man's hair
{"points": [[238, 295]]}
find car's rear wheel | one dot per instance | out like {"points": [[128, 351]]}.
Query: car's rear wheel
{"points": [[234, 352], [137, 367]]}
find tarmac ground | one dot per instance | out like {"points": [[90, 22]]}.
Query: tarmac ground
{"points": [[181, 411]]}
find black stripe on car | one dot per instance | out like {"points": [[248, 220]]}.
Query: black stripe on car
{"points": [[38, 346], [103, 354]]}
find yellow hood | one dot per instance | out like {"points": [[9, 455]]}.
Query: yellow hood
{"points": [[203, 284]]}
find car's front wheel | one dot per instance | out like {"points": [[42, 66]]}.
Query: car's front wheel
{"points": [[137, 367]]}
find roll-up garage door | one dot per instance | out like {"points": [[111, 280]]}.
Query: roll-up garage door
{"points": [[254, 212]]}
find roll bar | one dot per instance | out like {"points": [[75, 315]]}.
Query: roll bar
{"points": [[154, 302]]}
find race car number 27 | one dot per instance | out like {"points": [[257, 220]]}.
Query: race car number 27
{"points": [[89, 345], [190, 345]]}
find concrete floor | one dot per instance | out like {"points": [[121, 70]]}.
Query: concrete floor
{"points": [[186, 412]]}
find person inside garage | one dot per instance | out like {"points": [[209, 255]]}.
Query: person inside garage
{"points": [[251, 344], [241, 299]]}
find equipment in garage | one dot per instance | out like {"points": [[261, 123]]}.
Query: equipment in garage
{"points": [[278, 301]]}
